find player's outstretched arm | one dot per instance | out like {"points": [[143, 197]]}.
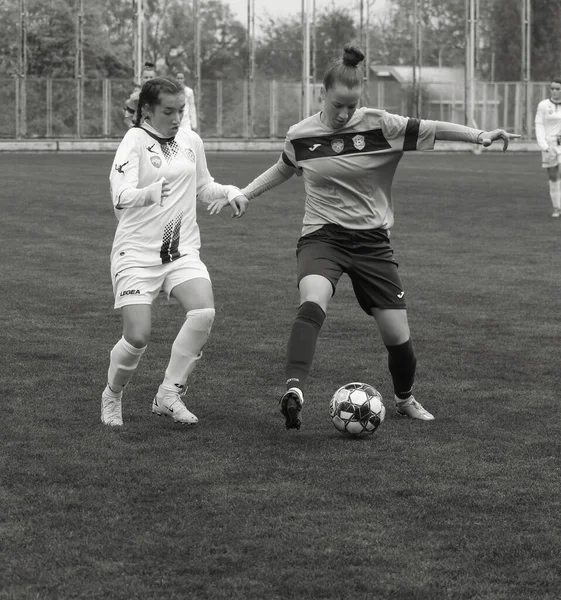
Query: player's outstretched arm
{"points": [[275, 175], [452, 132]]}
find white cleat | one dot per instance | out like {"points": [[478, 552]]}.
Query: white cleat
{"points": [[556, 213], [171, 405], [111, 410], [411, 408]]}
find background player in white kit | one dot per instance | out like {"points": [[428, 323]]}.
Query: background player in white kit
{"points": [[548, 136], [348, 158], [190, 113], [158, 173]]}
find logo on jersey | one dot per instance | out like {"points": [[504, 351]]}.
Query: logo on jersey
{"points": [[191, 155], [156, 161], [358, 142], [337, 145], [314, 147], [119, 168], [149, 148]]}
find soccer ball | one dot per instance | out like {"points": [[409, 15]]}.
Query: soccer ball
{"points": [[356, 409]]}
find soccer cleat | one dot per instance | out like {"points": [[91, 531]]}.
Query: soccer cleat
{"points": [[171, 405], [556, 213], [291, 407], [411, 408], [111, 410]]}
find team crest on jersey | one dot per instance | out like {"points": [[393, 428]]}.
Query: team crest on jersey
{"points": [[337, 145], [191, 155], [358, 142], [156, 161]]}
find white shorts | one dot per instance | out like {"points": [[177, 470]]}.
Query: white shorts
{"points": [[547, 163], [141, 285]]}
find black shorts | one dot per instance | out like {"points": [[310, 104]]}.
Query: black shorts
{"points": [[367, 258]]}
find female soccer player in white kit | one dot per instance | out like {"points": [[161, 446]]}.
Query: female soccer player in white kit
{"points": [[548, 136], [158, 173], [347, 157]]}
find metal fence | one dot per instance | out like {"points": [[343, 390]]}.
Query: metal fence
{"points": [[67, 108]]}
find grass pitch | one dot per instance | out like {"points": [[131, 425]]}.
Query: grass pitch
{"points": [[466, 507]]}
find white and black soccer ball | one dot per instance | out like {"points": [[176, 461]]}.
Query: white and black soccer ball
{"points": [[357, 409]]}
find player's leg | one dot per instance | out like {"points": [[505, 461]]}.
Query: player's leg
{"points": [[402, 362], [554, 178], [194, 293], [380, 293], [134, 290], [557, 206], [124, 359], [318, 274]]}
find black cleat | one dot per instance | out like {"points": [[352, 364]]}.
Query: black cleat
{"points": [[291, 407]]}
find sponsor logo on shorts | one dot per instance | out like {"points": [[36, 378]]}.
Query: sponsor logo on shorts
{"points": [[358, 142], [401, 294], [129, 292], [337, 145], [156, 161]]}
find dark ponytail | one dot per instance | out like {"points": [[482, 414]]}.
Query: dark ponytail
{"points": [[347, 69]]}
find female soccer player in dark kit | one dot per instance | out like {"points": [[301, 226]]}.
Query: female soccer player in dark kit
{"points": [[158, 173], [348, 157]]}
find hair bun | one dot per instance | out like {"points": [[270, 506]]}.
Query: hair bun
{"points": [[352, 55]]}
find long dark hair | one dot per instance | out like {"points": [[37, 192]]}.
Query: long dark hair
{"points": [[150, 94], [346, 69]]}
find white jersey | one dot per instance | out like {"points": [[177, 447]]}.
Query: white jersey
{"points": [[148, 233], [548, 124]]}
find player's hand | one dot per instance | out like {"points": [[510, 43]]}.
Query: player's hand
{"points": [[239, 206], [488, 137], [215, 206], [166, 190], [552, 154]]}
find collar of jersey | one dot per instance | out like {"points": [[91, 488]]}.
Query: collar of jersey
{"points": [[155, 134]]}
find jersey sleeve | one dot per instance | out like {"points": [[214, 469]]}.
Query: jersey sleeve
{"points": [[207, 188], [288, 155], [125, 175], [406, 133]]}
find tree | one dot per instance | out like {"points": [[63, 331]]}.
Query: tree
{"points": [[278, 53], [545, 41]]}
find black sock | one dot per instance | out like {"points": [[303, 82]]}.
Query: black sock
{"points": [[302, 343], [402, 364]]}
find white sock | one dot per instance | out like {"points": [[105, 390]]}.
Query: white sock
{"points": [[124, 360], [554, 192], [187, 348]]}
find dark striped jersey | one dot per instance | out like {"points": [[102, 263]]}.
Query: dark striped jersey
{"points": [[348, 172]]}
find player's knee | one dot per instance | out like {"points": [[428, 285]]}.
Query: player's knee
{"points": [[137, 338], [201, 319]]}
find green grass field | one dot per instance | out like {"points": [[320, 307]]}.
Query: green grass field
{"points": [[466, 507]]}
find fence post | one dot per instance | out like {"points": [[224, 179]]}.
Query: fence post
{"points": [[273, 116], [49, 99], [517, 113], [245, 132], [219, 108], [106, 87]]}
